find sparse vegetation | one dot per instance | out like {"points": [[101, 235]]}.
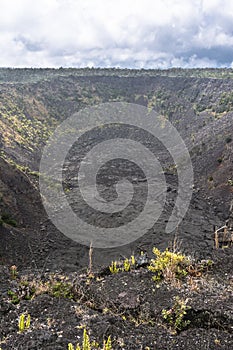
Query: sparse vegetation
{"points": [[88, 345], [175, 317], [113, 267], [28, 289], [61, 290], [225, 103], [126, 265], [13, 297]]}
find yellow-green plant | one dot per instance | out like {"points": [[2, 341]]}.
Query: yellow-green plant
{"points": [[24, 324], [175, 316], [126, 265], [108, 344], [133, 261], [87, 345], [113, 267], [86, 341], [71, 347], [168, 264]]}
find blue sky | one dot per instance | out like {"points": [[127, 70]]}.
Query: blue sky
{"points": [[116, 33]]}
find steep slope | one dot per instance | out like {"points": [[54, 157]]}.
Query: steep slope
{"points": [[198, 103]]}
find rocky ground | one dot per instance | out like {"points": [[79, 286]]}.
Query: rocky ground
{"points": [[126, 305]]}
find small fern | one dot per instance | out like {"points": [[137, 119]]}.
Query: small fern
{"points": [[133, 261], [126, 265], [87, 345], [108, 344], [71, 347], [86, 341], [113, 267], [24, 324]]}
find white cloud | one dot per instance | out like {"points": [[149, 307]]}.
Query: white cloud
{"points": [[125, 33]]}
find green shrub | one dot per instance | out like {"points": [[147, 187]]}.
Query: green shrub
{"points": [[175, 317], [168, 265]]}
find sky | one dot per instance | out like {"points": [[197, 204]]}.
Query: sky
{"points": [[116, 33]]}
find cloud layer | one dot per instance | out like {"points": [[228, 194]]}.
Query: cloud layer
{"points": [[120, 33]]}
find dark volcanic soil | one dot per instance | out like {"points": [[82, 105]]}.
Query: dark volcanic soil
{"points": [[126, 305]]}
